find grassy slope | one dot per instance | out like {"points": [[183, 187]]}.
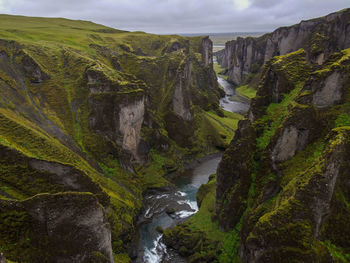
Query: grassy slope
{"points": [[45, 40], [246, 91], [219, 70], [297, 173], [64, 49]]}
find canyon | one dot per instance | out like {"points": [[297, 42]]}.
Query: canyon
{"points": [[98, 124]]}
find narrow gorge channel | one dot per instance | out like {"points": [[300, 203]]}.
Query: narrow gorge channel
{"points": [[164, 208]]}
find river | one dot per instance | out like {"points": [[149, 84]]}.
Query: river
{"points": [[164, 208]]}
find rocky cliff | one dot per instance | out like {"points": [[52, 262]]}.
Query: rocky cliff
{"points": [[66, 227], [319, 37], [90, 109], [282, 186]]}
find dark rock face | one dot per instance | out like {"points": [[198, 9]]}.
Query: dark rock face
{"points": [[54, 177], [119, 118], [330, 91], [207, 51], [181, 102], [86, 120], [291, 141], [234, 177], [319, 37], [282, 182], [69, 227], [310, 210]]}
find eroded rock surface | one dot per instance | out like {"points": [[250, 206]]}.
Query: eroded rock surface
{"points": [[330, 92], [247, 55], [291, 141], [68, 227]]}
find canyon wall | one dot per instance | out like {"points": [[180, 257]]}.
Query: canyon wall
{"points": [[319, 37], [89, 116], [282, 184]]}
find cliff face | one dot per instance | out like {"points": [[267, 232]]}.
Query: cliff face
{"points": [[282, 183], [86, 108], [68, 227], [319, 37]]}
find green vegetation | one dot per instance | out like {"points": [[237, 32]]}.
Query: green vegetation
{"points": [[276, 198], [64, 83], [275, 114], [247, 91], [225, 126], [337, 253], [334, 62], [220, 70], [342, 120]]}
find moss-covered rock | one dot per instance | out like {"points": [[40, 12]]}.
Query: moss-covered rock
{"points": [[319, 37], [293, 202], [59, 227], [88, 108]]}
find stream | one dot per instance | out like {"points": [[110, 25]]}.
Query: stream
{"points": [[164, 208]]}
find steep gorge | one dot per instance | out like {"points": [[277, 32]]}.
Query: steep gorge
{"points": [[319, 37], [91, 117], [288, 196], [281, 192]]}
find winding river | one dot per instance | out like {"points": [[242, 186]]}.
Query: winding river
{"points": [[164, 208]]}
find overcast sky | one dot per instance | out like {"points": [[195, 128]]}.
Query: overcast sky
{"points": [[180, 16]]}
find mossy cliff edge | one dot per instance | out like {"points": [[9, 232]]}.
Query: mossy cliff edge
{"points": [[288, 197], [282, 187], [319, 37], [97, 111]]}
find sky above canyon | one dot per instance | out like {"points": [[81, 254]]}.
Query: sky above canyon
{"points": [[180, 16]]}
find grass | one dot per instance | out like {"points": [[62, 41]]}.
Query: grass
{"points": [[221, 128], [219, 70], [275, 114], [342, 120], [51, 120], [202, 221], [337, 252], [230, 119], [79, 35], [338, 59], [153, 174], [246, 91]]}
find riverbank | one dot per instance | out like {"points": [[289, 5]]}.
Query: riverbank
{"points": [[175, 207], [165, 208]]}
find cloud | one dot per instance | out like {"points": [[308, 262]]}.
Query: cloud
{"points": [[242, 4], [179, 16]]}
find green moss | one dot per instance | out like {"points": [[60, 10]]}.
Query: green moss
{"points": [[276, 113], [121, 258], [98, 257], [15, 235], [50, 120], [247, 91], [334, 62], [302, 161], [337, 253], [293, 66], [342, 120], [152, 174], [220, 70], [317, 42]]}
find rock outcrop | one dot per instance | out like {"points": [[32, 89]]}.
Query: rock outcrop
{"points": [[331, 90], [106, 113], [282, 182], [66, 227], [319, 37], [181, 102]]}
